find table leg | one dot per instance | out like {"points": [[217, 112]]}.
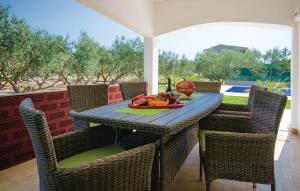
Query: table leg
{"points": [[161, 153], [117, 135]]}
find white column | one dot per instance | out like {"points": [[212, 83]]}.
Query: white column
{"points": [[151, 64], [295, 78]]}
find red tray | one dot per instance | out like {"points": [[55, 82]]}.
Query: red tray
{"points": [[172, 106]]}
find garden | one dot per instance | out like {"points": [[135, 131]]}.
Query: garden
{"points": [[33, 60]]}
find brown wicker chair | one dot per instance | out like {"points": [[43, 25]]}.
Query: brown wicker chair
{"points": [[84, 97], [176, 149], [131, 89], [123, 171], [208, 87], [239, 147], [237, 109]]}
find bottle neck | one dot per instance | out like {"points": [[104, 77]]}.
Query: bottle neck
{"points": [[169, 89]]}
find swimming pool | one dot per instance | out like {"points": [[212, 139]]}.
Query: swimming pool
{"points": [[246, 89], [239, 89]]}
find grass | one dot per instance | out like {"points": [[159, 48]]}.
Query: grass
{"points": [[244, 101]]}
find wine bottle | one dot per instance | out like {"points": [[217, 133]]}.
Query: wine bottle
{"points": [[169, 89]]}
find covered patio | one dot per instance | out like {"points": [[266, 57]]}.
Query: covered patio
{"points": [[153, 19]]}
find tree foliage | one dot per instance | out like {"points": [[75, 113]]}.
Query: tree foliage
{"points": [[219, 66], [277, 62], [175, 67], [230, 64], [34, 59]]}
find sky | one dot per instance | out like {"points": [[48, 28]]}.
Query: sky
{"points": [[67, 17]]}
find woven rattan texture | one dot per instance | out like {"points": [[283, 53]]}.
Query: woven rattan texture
{"points": [[132, 89], [176, 150], [84, 97], [209, 87], [237, 109], [125, 171], [245, 152], [15, 144]]}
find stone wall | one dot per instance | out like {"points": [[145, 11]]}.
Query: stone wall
{"points": [[15, 144]]}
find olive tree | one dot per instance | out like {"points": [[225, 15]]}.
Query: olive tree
{"points": [[47, 48], [16, 53], [218, 66], [123, 58]]}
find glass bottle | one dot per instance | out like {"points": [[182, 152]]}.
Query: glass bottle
{"points": [[169, 89]]}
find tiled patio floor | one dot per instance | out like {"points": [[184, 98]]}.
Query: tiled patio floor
{"points": [[24, 177]]}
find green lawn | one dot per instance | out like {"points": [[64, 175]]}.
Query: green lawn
{"points": [[244, 101]]}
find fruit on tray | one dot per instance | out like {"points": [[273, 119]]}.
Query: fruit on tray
{"points": [[169, 96], [185, 86], [138, 100], [161, 100], [158, 102], [182, 96]]}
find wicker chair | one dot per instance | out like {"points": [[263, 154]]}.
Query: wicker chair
{"points": [[131, 89], [176, 149], [240, 147], [122, 171], [208, 87], [237, 109], [84, 97]]}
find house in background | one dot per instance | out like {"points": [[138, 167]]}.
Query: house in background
{"points": [[220, 47]]}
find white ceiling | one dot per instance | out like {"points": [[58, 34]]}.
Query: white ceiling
{"points": [[158, 17]]}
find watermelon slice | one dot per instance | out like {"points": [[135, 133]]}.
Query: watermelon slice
{"points": [[138, 100]]}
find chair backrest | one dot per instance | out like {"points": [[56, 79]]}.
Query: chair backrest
{"points": [[84, 97], [42, 143], [131, 89], [251, 93], [267, 111], [209, 87]]}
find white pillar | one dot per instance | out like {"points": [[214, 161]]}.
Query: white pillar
{"points": [[151, 64], [295, 78]]}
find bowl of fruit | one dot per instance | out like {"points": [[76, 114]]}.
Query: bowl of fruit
{"points": [[162, 101], [185, 87]]}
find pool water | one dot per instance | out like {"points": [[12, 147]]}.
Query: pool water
{"points": [[246, 89], [239, 89]]}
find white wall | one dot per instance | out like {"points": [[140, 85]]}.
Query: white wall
{"points": [[151, 64], [136, 15], [295, 78], [171, 15]]}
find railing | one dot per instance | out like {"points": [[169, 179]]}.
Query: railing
{"points": [[15, 144]]}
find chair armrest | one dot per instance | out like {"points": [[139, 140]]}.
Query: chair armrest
{"points": [[128, 170], [240, 148], [229, 112], [221, 122], [243, 147], [233, 107], [75, 142]]}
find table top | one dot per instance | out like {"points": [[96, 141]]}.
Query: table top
{"points": [[168, 122]]}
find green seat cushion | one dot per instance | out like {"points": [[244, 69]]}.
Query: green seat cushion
{"points": [[94, 124], [90, 155], [201, 138]]}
